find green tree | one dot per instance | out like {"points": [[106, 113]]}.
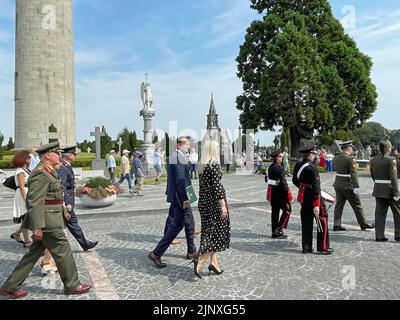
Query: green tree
{"points": [[285, 139], [301, 71], [395, 138], [106, 145], [129, 140], [326, 140], [10, 144], [371, 133]]}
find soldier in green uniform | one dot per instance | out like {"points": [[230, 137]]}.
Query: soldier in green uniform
{"points": [[45, 218], [386, 190], [347, 187]]}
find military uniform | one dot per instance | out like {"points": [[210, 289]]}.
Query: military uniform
{"points": [[306, 178], [347, 188], [384, 173], [278, 194], [67, 177], [45, 212]]}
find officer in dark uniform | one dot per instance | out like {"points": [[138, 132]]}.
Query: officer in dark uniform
{"points": [[306, 178], [67, 177], [386, 190], [347, 187], [279, 195], [45, 204]]}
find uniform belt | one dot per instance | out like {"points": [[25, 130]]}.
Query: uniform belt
{"points": [[274, 183], [343, 175], [307, 186], [53, 202], [383, 181]]}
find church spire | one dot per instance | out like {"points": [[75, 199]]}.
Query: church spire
{"points": [[212, 118]]}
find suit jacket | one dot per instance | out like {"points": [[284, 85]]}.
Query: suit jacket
{"points": [[309, 176], [67, 177], [178, 178]]}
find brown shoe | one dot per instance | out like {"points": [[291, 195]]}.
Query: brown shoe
{"points": [[157, 260], [176, 241], [191, 256], [17, 294], [81, 289]]}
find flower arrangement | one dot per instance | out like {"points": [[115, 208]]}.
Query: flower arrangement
{"points": [[98, 188]]}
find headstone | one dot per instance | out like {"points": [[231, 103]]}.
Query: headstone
{"points": [[98, 163], [89, 150], [368, 152]]}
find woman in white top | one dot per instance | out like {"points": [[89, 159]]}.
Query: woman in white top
{"points": [[21, 161]]}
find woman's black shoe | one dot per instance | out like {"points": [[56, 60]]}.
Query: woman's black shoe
{"points": [[214, 269], [196, 263]]}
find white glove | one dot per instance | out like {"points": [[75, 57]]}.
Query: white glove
{"points": [[396, 199], [316, 211], [357, 191]]}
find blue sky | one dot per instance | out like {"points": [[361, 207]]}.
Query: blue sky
{"points": [[189, 48]]}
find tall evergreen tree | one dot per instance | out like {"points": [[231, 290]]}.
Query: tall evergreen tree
{"points": [[301, 71]]}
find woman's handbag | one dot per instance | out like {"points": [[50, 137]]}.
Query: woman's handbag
{"points": [[10, 183]]}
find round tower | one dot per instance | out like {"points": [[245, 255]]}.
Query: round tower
{"points": [[44, 73]]}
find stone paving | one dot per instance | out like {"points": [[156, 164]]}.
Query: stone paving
{"points": [[256, 266]]}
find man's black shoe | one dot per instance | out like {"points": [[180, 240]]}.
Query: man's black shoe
{"points": [[382, 239], [367, 226], [338, 228], [329, 251], [305, 251], [91, 246], [157, 260], [279, 236]]}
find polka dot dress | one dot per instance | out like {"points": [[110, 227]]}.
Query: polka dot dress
{"points": [[215, 231]]}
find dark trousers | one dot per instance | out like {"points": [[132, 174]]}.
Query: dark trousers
{"points": [[307, 224], [382, 207], [77, 231], [276, 209], [354, 199], [176, 221], [111, 171]]}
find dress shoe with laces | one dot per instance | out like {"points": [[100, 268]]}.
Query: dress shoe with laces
{"points": [[367, 226], [338, 228], [157, 260], [16, 294], [305, 251], [382, 239], [81, 289], [91, 246]]}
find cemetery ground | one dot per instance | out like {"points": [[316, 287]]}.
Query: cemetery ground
{"points": [[256, 266]]}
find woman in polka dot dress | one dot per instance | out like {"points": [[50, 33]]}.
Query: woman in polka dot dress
{"points": [[213, 207]]}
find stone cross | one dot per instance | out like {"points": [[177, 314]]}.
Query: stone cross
{"points": [[119, 143], [89, 150], [98, 134]]}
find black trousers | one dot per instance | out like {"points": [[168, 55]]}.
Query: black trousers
{"points": [[276, 209], [76, 231], [307, 224]]}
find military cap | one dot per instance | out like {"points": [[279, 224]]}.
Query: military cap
{"points": [[69, 150], [386, 144], [275, 153], [51, 147], [308, 149], [347, 144]]}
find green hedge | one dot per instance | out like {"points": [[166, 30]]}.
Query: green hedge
{"points": [[5, 164]]}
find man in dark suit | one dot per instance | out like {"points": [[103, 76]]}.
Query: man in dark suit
{"points": [[67, 177], [180, 213]]}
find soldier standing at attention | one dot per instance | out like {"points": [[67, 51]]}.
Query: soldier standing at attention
{"points": [[278, 194], [306, 178], [386, 190], [67, 176], [347, 187], [45, 204]]}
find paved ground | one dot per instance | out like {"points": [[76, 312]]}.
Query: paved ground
{"points": [[256, 266]]}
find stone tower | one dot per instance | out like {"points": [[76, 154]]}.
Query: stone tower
{"points": [[212, 117], [44, 73]]}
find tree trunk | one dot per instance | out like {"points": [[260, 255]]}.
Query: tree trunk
{"points": [[295, 139]]}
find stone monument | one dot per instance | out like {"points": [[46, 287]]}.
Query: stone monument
{"points": [[119, 143], [148, 113], [44, 74], [98, 163]]}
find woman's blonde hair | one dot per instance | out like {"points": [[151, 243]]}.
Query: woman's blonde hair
{"points": [[209, 154]]}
